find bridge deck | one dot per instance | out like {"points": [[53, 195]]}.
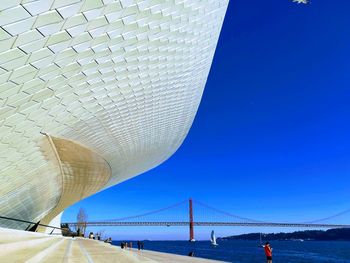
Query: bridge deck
{"points": [[245, 224]]}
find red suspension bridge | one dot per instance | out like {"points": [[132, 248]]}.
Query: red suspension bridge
{"points": [[224, 219]]}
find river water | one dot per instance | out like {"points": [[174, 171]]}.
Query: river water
{"points": [[249, 251]]}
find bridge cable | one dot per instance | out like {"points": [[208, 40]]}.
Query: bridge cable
{"points": [[329, 217], [229, 214], [147, 213]]}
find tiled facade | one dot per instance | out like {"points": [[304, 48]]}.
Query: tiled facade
{"points": [[121, 78]]}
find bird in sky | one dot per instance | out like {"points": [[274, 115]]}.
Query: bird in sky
{"points": [[301, 1]]}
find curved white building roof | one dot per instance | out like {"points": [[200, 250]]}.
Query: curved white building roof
{"points": [[94, 92]]}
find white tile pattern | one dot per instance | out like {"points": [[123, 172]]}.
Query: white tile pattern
{"points": [[123, 78]]}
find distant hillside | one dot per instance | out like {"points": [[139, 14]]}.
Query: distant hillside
{"points": [[331, 234]]}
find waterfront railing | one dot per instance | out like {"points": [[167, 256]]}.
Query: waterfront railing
{"points": [[32, 225]]}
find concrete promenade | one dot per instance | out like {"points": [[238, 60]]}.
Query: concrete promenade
{"points": [[19, 246]]}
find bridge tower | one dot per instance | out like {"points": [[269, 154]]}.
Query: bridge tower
{"points": [[191, 221]]}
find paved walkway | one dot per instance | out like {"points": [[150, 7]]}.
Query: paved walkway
{"points": [[20, 246]]}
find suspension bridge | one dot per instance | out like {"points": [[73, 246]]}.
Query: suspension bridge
{"points": [[222, 219]]}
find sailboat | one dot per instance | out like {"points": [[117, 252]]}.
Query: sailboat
{"points": [[213, 239], [261, 244]]}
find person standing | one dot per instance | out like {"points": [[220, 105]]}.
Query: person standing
{"points": [[268, 252], [138, 245]]}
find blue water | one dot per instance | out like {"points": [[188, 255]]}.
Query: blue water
{"points": [[249, 252]]}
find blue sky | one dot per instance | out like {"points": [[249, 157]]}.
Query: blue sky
{"points": [[270, 139]]}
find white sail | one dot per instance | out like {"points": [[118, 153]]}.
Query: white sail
{"points": [[213, 238]]}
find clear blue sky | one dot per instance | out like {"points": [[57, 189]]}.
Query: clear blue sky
{"points": [[270, 139]]}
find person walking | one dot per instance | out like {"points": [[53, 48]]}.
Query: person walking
{"points": [[268, 252]]}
